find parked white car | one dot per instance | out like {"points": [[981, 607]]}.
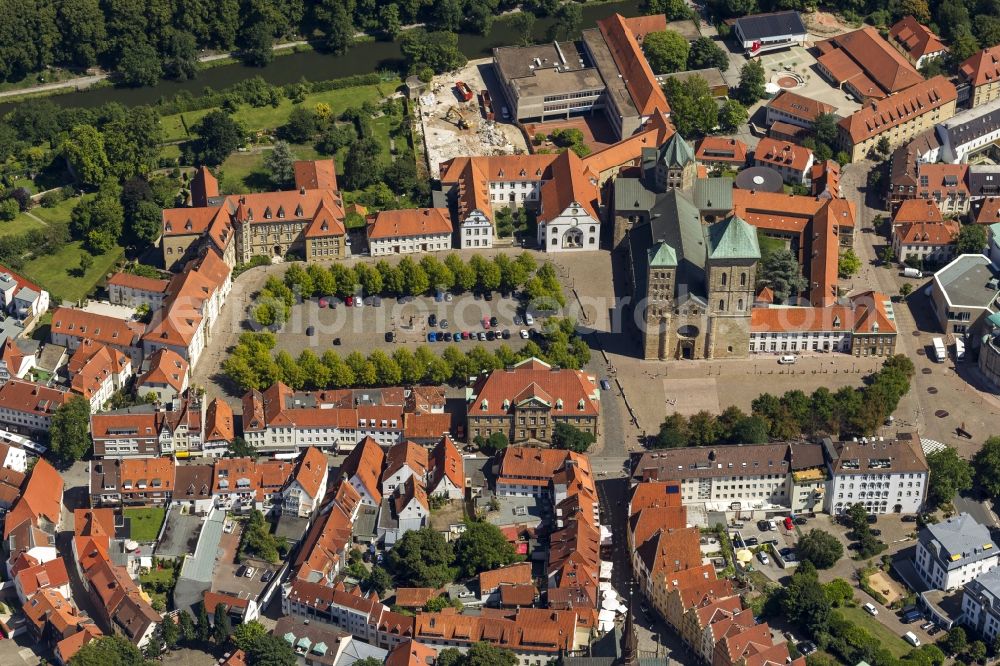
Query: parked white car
{"points": [[871, 609]]}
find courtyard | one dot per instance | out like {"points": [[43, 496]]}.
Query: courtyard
{"points": [[799, 61]]}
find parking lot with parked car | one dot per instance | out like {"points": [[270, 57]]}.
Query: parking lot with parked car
{"points": [[361, 324]]}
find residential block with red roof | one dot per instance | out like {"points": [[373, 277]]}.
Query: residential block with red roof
{"points": [[446, 471], [165, 374], [863, 326], [27, 405], [792, 161], [97, 372], [721, 152], [409, 230], [916, 42], [981, 71], [899, 117], [133, 290], [167, 429], [308, 484], [865, 65], [526, 401], [308, 220], [932, 241]]}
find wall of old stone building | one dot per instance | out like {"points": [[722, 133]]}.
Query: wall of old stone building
{"points": [[729, 336]]}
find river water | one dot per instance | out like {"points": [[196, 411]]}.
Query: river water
{"points": [[311, 65]]}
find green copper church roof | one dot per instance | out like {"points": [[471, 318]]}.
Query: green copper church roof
{"points": [[662, 255], [732, 238], [677, 152]]}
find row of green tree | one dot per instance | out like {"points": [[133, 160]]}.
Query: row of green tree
{"points": [[846, 412], [253, 365], [540, 284]]}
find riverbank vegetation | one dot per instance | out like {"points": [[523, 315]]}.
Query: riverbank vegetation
{"points": [[140, 45]]}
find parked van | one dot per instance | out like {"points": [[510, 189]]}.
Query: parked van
{"points": [[911, 638], [912, 273], [787, 359]]}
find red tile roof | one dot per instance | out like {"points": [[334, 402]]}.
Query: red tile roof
{"points": [[365, 461], [50, 574], [799, 106], [446, 461], [166, 367], [203, 187], [411, 653], [139, 282], [567, 392], [315, 175], [917, 211], [721, 149], [988, 212], [415, 597], [982, 67], [880, 62], [882, 115], [99, 328], [926, 233], [639, 79], [408, 454], [783, 154], [41, 498], [515, 574], [311, 471], [915, 39], [410, 222]]}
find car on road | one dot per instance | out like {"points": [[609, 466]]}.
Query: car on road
{"points": [[871, 519], [482, 336], [911, 616], [488, 296], [752, 541], [506, 334], [250, 572], [771, 525], [390, 337], [323, 302], [447, 297], [494, 322], [605, 385], [432, 337], [762, 556], [443, 324], [517, 320], [806, 648], [432, 320], [310, 331], [491, 336], [910, 518], [524, 334], [528, 319], [357, 302], [465, 335], [266, 576], [762, 525], [438, 297], [787, 359], [241, 571], [876, 532], [230, 526], [486, 323], [927, 626], [870, 609], [800, 520], [911, 638], [447, 336], [789, 525], [350, 301], [377, 301]]}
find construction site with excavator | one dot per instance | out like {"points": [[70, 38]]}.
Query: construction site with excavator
{"points": [[461, 115]]}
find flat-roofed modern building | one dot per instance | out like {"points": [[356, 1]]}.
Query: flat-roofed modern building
{"points": [[964, 293], [604, 71], [770, 32]]}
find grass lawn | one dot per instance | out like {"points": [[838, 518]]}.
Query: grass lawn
{"points": [[145, 523], [895, 644], [245, 172], [20, 224], [769, 244], [273, 117], [61, 212], [58, 272]]}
